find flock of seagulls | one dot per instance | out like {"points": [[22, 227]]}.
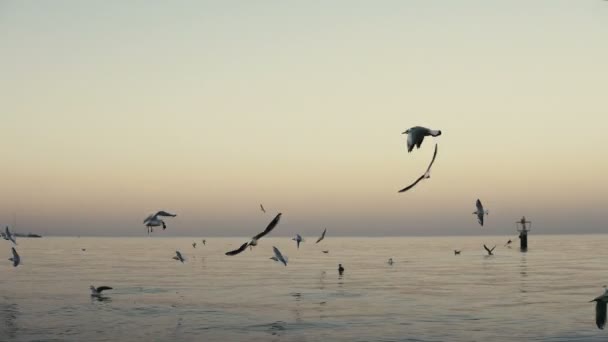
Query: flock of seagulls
{"points": [[415, 137]]}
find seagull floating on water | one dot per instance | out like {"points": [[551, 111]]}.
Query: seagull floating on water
{"points": [[390, 261], [325, 252], [96, 292], [480, 212], [489, 250], [16, 259], [278, 256], [600, 309], [178, 256], [322, 236], [154, 221], [426, 175], [8, 236], [415, 136], [456, 252], [298, 239]]}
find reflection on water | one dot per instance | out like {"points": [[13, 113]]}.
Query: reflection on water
{"points": [[541, 295], [8, 317]]}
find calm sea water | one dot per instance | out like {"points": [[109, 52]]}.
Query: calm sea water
{"points": [[427, 295]]}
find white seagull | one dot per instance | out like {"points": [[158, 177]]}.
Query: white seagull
{"points": [[8, 236], [178, 256], [426, 175], [278, 256], [322, 236], [16, 259], [298, 239], [480, 212], [154, 221], [415, 136], [600, 309], [96, 292]]}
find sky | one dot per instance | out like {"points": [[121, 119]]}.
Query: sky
{"points": [[111, 110]]}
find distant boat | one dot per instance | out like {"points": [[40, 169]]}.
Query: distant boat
{"points": [[28, 235]]}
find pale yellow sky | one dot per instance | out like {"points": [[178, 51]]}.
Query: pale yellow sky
{"points": [[112, 110]]}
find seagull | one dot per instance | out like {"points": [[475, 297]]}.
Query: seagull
{"points": [[325, 252], [600, 309], [154, 221], [322, 236], [254, 240], [84, 249], [194, 244], [456, 252], [340, 269], [178, 256], [279, 256], [262, 208], [390, 261], [415, 136], [480, 212], [8, 236], [489, 250], [204, 242], [16, 259], [238, 250], [96, 292], [427, 174], [298, 239], [269, 228], [508, 242]]}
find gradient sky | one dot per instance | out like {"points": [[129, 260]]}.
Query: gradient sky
{"points": [[110, 110]]}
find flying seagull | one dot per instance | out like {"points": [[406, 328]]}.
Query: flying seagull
{"points": [[427, 174], [262, 208], [16, 259], [600, 309], [178, 256], [254, 240], [96, 292], [279, 256], [154, 221], [456, 252], [238, 250], [489, 250], [269, 228], [480, 212], [298, 239], [8, 236], [322, 236], [415, 136]]}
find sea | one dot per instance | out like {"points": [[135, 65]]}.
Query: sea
{"points": [[428, 294]]}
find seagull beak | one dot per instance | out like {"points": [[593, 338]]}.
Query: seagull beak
{"points": [[405, 132]]}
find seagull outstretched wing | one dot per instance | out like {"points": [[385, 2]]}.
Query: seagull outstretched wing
{"points": [[238, 250], [427, 174]]}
